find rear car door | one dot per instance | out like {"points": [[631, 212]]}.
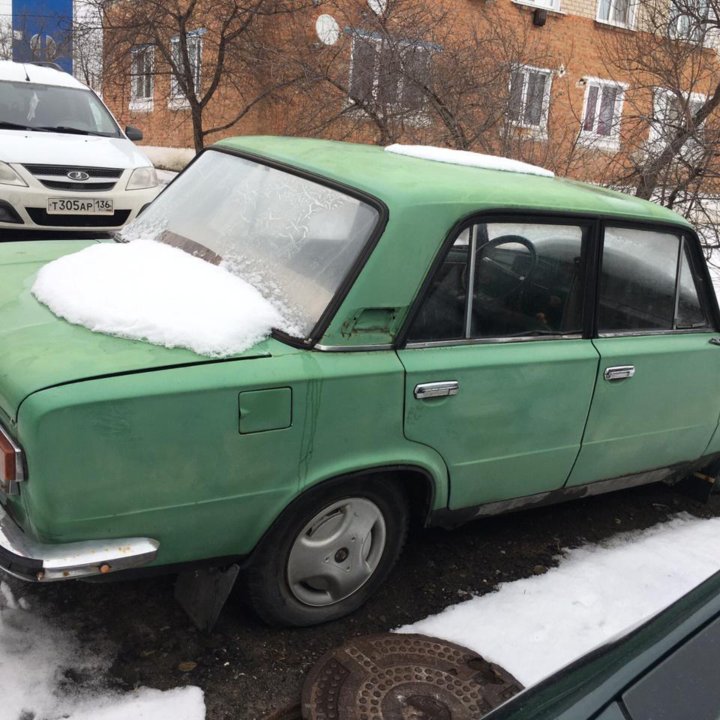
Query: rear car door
{"points": [[657, 390], [499, 379]]}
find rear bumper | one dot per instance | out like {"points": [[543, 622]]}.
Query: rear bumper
{"points": [[29, 560]]}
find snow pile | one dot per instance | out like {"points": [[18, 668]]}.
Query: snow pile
{"points": [[536, 626], [168, 158], [471, 159], [38, 662], [145, 290]]}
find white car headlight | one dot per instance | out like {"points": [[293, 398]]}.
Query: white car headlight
{"points": [[142, 178], [9, 177]]}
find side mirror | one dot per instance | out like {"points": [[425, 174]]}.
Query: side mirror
{"points": [[133, 133]]}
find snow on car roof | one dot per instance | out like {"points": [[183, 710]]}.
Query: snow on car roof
{"points": [[20, 72], [470, 159]]}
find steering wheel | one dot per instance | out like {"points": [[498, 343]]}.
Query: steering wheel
{"points": [[495, 272]]}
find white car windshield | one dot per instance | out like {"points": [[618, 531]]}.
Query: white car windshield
{"points": [[52, 108], [295, 240]]}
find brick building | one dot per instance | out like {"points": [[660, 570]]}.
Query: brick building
{"points": [[569, 84]]}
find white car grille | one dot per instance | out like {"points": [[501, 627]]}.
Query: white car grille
{"points": [[76, 179]]}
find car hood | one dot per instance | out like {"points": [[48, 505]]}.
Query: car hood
{"points": [[20, 146], [40, 350]]}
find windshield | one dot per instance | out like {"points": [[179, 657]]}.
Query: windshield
{"points": [[49, 108], [293, 239]]}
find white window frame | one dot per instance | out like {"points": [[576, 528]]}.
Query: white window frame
{"points": [[178, 100], [377, 41], [632, 14], [591, 137], [706, 35], [656, 137], [540, 130], [551, 5], [142, 103]]}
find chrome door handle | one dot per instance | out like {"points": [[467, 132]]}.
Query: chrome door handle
{"points": [[436, 389], [619, 372], [714, 341]]}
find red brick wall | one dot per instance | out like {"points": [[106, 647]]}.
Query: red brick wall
{"points": [[576, 43]]}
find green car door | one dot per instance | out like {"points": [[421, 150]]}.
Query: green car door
{"points": [[657, 392], [499, 379]]}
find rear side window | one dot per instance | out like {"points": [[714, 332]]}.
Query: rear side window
{"points": [[648, 282], [504, 280]]}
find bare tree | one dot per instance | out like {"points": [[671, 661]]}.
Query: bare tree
{"points": [[671, 138], [421, 72], [217, 57], [87, 43]]}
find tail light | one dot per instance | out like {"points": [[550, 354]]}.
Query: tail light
{"points": [[12, 468]]}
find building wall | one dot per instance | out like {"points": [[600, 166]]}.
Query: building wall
{"points": [[573, 42]]}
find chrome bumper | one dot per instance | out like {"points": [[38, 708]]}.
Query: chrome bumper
{"points": [[29, 560]]}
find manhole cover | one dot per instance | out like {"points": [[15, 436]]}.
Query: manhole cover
{"points": [[404, 677]]}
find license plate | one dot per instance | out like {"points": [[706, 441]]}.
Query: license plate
{"points": [[79, 206]]}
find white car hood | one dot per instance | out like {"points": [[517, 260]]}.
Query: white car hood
{"points": [[20, 146]]}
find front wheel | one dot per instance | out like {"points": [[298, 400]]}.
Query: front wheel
{"points": [[328, 552]]}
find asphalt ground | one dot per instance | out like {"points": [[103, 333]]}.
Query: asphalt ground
{"points": [[248, 670]]}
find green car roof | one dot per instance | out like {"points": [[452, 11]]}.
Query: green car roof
{"points": [[400, 181]]}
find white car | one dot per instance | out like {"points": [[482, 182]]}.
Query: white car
{"points": [[65, 164]]}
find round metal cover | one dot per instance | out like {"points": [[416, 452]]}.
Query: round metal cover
{"points": [[398, 677]]}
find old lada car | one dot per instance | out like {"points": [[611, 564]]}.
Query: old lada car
{"points": [[469, 337]]}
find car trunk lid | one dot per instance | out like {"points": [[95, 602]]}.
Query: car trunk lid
{"points": [[40, 350]]}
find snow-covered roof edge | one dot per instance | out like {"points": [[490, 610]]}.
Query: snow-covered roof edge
{"points": [[471, 159]]}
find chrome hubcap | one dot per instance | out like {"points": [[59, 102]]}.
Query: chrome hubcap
{"points": [[336, 552]]}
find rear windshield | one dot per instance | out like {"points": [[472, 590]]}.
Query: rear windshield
{"points": [[49, 108], [295, 240]]}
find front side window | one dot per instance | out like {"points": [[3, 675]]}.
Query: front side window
{"points": [[617, 12], [293, 239], [50, 108], [602, 113], [648, 282], [505, 280], [390, 75], [530, 97], [194, 51], [142, 77]]}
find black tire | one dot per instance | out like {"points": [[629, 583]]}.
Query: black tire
{"points": [[266, 584]]}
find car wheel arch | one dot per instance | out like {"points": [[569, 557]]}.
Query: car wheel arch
{"points": [[418, 484]]}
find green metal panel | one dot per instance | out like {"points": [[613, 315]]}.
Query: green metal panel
{"points": [[263, 410], [515, 426], [663, 415], [40, 350], [158, 454]]}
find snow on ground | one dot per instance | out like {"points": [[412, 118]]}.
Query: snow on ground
{"points": [[535, 626], [146, 290], [168, 158], [37, 659]]}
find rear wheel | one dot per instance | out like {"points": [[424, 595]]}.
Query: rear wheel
{"points": [[328, 552]]}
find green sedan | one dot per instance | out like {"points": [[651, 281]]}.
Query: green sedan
{"points": [[466, 337]]}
